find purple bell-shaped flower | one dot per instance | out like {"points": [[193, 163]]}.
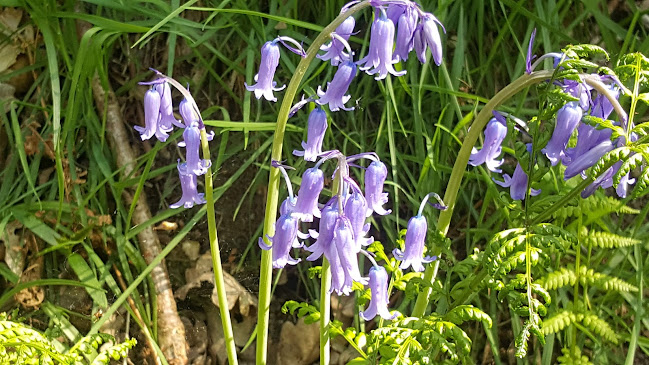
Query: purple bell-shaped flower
{"points": [[337, 88], [188, 185], [192, 144], [406, 26], [494, 135], [355, 209], [379, 302], [335, 50], [517, 184], [347, 253], [413, 254], [306, 206], [151, 114], [167, 119], [375, 176], [427, 35], [379, 57], [317, 126], [267, 67], [285, 238], [568, 117]]}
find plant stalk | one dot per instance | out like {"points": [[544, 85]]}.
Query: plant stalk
{"points": [[272, 199], [459, 167], [325, 311], [219, 282]]}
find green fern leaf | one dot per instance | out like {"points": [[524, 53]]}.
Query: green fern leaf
{"points": [[642, 184], [609, 158], [628, 165], [599, 326], [463, 313], [590, 277], [559, 321], [609, 240], [558, 279]]}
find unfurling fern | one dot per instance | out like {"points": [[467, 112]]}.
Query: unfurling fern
{"points": [[594, 206]]}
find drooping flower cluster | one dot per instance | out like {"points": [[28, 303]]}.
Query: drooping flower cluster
{"points": [[399, 28], [159, 121], [593, 95]]}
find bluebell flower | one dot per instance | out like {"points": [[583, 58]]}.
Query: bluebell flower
{"points": [[285, 238], [324, 235], [267, 67], [312, 184], [379, 57], [379, 289], [167, 119], [192, 144], [580, 163], [347, 253], [317, 126], [335, 50], [394, 11], [494, 135], [568, 117], [517, 184], [587, 138], [355, 209], [190, 195], [427, 35], [413, 254], [530, 57], [151, 115], [375, 176], [406, 26], [337, 88]]}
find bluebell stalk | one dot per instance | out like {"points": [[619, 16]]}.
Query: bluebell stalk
{"points": [[337, 88], [316, 128], [269, 61], [494, 135], [378, 284], [375, 176], [415, 241], [335, 50], [188, 185], [517, 184], [379, 56]]}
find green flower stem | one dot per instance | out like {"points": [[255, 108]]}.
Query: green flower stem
{"points": [[457, 173], [325, 311], [272, 200], [216, 257]]}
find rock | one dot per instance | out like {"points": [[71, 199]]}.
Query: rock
{"points": [[299, 343]]}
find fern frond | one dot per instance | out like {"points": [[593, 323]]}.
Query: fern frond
{"points": [[570, 358], [115, 352], [558, 279], [609, 240], [591, 277], [559, 321], [609, 158], [642, 184], [463, 313], [599, 326], [515, 260], [626, 167]]}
